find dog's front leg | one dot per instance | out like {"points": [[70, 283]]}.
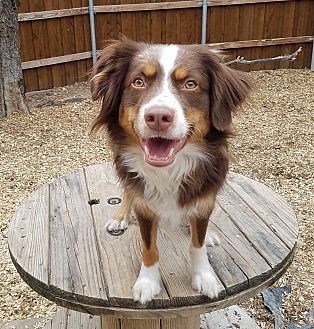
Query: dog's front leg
{"points": [[148, 282], [120, 220], [203, 279]]}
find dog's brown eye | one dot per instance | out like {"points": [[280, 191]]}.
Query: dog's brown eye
{"points": [[190, 84], [138, 83]]}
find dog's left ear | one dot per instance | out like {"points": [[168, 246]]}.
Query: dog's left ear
{"points": [[228, 89]]}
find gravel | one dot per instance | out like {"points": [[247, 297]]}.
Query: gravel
{"points": [[274, 145]]}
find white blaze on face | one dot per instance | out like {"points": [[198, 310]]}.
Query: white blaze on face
{"points": [[166, 97]]}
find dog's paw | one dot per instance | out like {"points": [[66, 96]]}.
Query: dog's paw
{"points": [[147, 285], [116, 225], [206, 284], [212, 239], [145, 290]]}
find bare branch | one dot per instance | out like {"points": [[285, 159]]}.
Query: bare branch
{"points": [[241, 60]]}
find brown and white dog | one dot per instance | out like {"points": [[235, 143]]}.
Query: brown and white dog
{"points": [[167, 110]]}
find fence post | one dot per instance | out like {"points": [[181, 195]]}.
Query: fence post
{"points": [[204, 22], [92, 29], [312, 62]]}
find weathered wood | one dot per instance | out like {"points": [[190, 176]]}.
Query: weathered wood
{"points": [[94, 272], [65, 318], [29, 234], [126, 263], [74, 260], [56, 60], [219, 45], [40, 15]]}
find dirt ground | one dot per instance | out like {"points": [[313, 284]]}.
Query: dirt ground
{"points": [[274, 145]]}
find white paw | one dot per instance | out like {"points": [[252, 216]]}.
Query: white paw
{"points": [[147, 285], [145, 290], [116, 225], [212, 239], [206, 284]]}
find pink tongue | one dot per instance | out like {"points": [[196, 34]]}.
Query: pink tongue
{"points": [[159, 147]]}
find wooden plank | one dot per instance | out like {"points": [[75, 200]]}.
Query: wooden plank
{"points": [[140, 324], [59, 320], [55, 48], [68, 42], [40, 36], [245, 32], [198, 26], [302, 24], [243, 253], [80, 45], [216, 24], [258, 33], [171, 28], [238, 2], [276, 204], [102, 184], [82, 321], [273, 22], [231, 31], [258, 233], [75, 265], [55, 60], [127, 28], [57, 13], [29, 235], [173, 247], [280, 225], [192, 322], [28, 53], [108, 322], [287, 30]]}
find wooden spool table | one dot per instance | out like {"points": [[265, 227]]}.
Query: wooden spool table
{"points": [[60, 247]]}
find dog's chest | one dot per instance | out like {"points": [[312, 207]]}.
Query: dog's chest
{"points": [[161, 195]]}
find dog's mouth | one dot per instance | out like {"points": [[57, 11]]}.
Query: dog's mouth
{"points": [[161, 152]]}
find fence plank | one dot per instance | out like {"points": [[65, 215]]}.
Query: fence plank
{"points": [[80, 46], [40, 37], [55, 47]]}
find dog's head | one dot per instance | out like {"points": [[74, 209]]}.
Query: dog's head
{"points": [[165, 96]]}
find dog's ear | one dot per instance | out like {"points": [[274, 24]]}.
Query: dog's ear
{"points": [[108, 78], [228, 89]]}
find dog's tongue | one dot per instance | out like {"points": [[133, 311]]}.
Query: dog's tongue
{"points": [[159, 147], [161, 152]]}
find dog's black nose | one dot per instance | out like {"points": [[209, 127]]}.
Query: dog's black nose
{"points": [[159, 118]]}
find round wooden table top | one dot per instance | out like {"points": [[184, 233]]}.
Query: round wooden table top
{"points": [[60, 247]]}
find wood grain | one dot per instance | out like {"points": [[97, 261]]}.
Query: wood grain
{"points": [[29, 234], [59, 245], [74, 263]]}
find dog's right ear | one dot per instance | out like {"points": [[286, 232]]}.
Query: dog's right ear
{"points": [[108, 78]]}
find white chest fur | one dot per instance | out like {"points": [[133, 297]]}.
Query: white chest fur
{"points": [[162, 184]]}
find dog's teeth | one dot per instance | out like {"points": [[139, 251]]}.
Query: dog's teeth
{"points": [[146, 150], [170, 154]]}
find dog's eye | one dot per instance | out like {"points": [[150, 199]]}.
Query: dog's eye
{"points": [[190, 84], [138, 83]]}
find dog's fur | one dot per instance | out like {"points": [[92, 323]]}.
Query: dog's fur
{"points": [[167, 110]]}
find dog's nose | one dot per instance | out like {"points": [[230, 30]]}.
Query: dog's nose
{"points": [[159, 118]]}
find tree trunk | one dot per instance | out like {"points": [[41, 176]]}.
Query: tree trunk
{"points": [[12, 97]]}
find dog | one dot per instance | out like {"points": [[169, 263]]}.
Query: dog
{"points": [[167, 110]]}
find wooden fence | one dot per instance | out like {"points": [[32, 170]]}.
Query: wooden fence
{"points": [[56, 46]]}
